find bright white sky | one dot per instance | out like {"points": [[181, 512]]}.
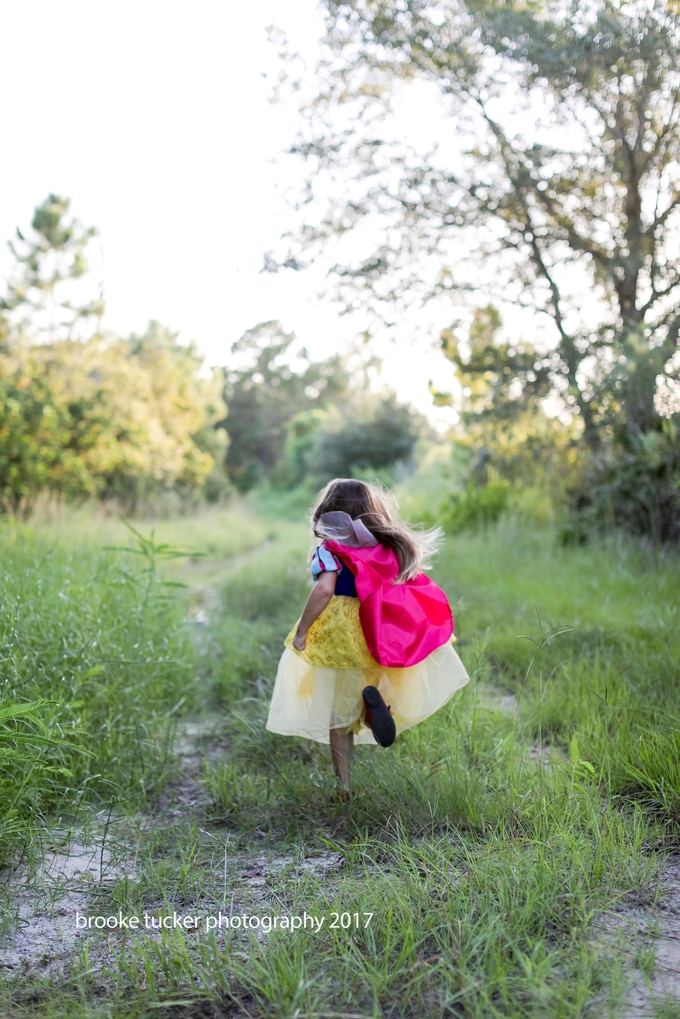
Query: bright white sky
{"points": [[154, 118]]}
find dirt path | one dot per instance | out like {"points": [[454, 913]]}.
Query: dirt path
{"points": [[77, 864]]}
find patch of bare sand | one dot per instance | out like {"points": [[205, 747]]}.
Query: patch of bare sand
{"points": [[44, 899], [76, 864], [649, 933]]}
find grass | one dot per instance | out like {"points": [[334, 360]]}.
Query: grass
{"points": [[612, 679], [95, 665], [485, 864]]}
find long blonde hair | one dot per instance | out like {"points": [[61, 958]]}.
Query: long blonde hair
{"points": [[367, 503]]}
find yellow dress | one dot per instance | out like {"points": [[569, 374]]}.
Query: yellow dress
{"points": [[319, 689]]}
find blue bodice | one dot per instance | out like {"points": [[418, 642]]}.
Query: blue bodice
{"points": [[324, 561]]}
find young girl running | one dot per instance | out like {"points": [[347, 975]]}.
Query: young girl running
{"points": [[372, 653]]}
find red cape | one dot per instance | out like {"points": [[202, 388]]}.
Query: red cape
{"points": [[402, 623]]}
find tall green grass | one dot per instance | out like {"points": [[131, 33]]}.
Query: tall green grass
{"points": [[492, 928], [612, 680], [95, 664]]}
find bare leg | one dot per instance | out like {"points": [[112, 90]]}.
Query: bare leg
{"points": [[342, 744]]}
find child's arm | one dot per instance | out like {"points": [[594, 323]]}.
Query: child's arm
{"points": [[321, 594]]}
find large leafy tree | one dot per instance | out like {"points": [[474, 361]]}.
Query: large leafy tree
{"points": [[558, 177]]}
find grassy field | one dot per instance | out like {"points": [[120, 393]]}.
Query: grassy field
{"points": [[499, 847]]}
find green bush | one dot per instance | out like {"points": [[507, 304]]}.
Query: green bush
{"points": [[371, 436], [475, 507], [635, 487]]}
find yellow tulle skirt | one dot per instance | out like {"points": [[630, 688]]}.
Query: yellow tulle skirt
{"points": [[319, 689]]}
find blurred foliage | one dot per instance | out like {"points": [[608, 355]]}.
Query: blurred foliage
{"points": [[97, 416], [291, 419], [133, 419], [511, 443], [39, 303], [105, 419], [368, 434], [631, 481], [273, 387], [299, 450], [476, 507], [503, 390], [635, 485]]}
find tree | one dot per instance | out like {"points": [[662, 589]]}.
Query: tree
{"points": [[369, 434], [48, 262], [105, 420], [503, 388], [561, 176], [103, 416], [266, 392]]}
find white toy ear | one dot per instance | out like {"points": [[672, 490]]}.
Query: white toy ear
{"points": [[336, 526], [364, 536], [339, 526]]}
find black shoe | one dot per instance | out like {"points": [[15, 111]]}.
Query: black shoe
{"points": [[378, 717]]}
